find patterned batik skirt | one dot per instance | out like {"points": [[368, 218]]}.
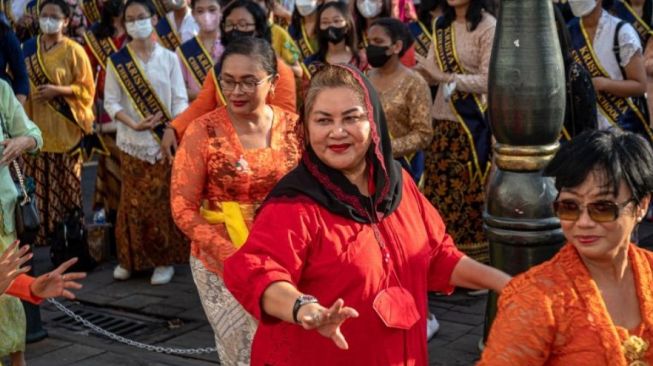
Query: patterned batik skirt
{"points": [[58, 188], [146, 235], [455, 187], [12, 314], [108, 182], [232, 325]]}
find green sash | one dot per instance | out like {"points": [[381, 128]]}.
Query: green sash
{"points": [[133, 81]]}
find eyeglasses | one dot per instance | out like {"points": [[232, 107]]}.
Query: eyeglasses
{"points": [[601, 211], [241, 26], [246, 86]]}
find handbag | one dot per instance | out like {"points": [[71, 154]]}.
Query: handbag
{"points": [[27, 217]]}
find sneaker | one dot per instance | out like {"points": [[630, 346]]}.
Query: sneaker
{"points": [[120, 273], [162, 275], [432, 326]]}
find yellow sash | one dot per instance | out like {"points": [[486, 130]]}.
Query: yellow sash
{"points": [[231, 215]]}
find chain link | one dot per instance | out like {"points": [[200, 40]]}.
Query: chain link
{"points": [[129, 342]]}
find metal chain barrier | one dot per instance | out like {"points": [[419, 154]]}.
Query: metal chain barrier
{"points": [[129, 342]]}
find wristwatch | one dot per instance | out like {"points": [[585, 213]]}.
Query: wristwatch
{"points": [[301, 301]]}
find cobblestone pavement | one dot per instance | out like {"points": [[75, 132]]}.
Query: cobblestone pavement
{"points": [[172, 316]]}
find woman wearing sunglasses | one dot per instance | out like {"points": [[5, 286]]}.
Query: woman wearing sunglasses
{"points": [[592, 303]]}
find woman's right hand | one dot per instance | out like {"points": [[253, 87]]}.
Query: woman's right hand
{"points": [[169, 144], [327, 322], [11, 261], [148, 122]]}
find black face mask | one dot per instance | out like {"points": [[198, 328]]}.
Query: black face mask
{"points": [[334, 34], [376, 55], [231, 35]]}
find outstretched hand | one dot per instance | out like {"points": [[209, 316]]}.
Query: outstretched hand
{"points": [[56, 283], [11, 261], [327, 322]]}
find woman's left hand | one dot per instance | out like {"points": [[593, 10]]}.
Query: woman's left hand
{"points": [[327, 322], [14, 147], [56, 283], [46, 92], [431, 69]]}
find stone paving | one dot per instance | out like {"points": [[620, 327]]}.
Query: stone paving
{"points": [[177, 318], [177, 309]]}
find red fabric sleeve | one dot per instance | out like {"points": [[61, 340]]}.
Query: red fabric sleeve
{"points": [[408, 59], [444, 254], [20, 288], [206, 101], [285, 92], [275, 250]]}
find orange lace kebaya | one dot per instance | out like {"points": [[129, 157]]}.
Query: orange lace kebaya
{"points": [[554, 315], [211, 166]]}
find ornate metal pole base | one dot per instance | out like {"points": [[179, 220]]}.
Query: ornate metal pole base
{"points": [[527, 101]]}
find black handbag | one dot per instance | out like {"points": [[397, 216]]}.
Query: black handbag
{"points": [[28, 219], [27, 215]]}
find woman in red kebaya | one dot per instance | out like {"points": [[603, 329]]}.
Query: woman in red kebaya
{"points": [[340, 257]]}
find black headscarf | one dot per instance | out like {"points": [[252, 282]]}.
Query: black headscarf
{"points": [[332, 190]]}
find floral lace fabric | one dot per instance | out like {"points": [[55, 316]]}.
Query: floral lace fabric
{"points": [[554, 315], [212, 165]]}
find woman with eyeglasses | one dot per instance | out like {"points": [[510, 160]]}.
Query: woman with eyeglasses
{"points": [[143, 90], [592, 303], [337, 40], [230, 159], [241, 18]]}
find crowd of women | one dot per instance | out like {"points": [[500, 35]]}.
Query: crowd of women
{"points": [[321, 166]]}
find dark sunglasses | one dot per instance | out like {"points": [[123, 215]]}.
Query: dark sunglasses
{"points": [[601, 211]]}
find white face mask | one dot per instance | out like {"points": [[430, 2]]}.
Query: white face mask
{"points": [[369, 8], [140, 29], [50, 26], [306, 7], [208, 22], [580, 8]]}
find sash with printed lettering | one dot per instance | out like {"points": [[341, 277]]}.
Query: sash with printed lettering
{"points": [[624, 11], [38, 76], [468, 108], [618, 111], [91, 11], [90, 142], [167, 35], [32, 9], [298, 33], [196, 58], [423, 38], [102, 48], [138, 89]]}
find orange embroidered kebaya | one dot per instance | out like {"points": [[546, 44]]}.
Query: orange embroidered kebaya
{"points": [[554, 315], [212, 166], [207, 100]]}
